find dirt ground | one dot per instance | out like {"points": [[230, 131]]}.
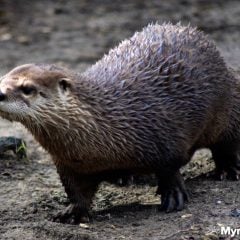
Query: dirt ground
{"points": [[75, 34]]}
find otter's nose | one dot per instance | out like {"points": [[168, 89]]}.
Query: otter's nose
{"points": [[2, 96]]}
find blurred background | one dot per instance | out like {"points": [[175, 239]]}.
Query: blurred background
{"points": [[76, 33]]}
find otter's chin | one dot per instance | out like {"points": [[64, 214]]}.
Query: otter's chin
{"points": [[6, 116]]}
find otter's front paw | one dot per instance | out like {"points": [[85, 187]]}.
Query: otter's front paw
{"points": [[73, 214], [173, 200], [173, 193]]}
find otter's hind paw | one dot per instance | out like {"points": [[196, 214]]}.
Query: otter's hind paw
{"points": [[230, 174]]}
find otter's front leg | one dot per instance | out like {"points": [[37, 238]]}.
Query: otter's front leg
{"points": [[80, 191], [227, 160]]}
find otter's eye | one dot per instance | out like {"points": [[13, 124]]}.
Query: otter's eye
{"points": [[28, 90]]}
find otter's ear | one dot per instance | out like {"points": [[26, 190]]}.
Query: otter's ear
{"points": [[64, 84]]}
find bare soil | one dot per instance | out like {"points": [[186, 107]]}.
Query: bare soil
{"points": [[75, 34]]}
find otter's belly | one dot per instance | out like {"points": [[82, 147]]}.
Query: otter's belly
{"points": [[98, 165]]}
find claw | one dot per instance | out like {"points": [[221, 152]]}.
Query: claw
{"points": [[233, 174], [168, 202], [180, 202], [219, 175], [230, 174]]}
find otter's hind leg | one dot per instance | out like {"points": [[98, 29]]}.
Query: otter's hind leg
{"points": [[80, 191], [227, 160]]}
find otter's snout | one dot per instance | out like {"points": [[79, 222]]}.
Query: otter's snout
{"points": [[2, 96]]}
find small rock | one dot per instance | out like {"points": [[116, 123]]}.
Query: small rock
{"points": [[23, 40], [186, 216], [112, 226], [46, 30], [59, 10], [84, 225], [122, 237], [6, 174], [235, 212], [136, 224], [6, 37]]}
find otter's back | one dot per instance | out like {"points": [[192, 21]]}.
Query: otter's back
{"points": [[171, 79]]}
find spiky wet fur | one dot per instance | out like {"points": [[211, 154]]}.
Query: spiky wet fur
{"points": [[161, 92], [145, 107]]}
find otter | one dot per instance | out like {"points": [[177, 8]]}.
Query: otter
{"points": [[144, 108]]}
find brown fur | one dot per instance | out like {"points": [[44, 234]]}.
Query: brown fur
{"points": [[145, 107]]}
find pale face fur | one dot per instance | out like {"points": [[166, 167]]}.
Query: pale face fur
{"points": [[28, 88]]}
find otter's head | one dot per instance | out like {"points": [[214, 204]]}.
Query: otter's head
{"points": [[30, 93]]}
